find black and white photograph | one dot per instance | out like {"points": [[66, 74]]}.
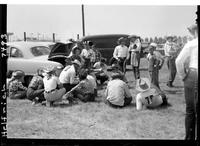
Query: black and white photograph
{"points": [[101, 71]]}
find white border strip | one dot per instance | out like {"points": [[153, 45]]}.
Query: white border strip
{"points": [[105, 2]]}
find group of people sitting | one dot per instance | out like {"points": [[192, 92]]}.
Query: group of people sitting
{"points": [[79, 81]]}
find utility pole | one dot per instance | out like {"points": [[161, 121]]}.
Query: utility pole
{"points": [[24, 36], [83, 20]]}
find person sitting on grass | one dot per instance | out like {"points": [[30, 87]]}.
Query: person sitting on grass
{"points": [[68, 77], [84, 90], [92, 78], [117, 92], [100, 69], [16, 88], [149, 97], [54, 90], [35, 90]]}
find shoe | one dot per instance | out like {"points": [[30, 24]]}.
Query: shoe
{"points": [[35, 101]]}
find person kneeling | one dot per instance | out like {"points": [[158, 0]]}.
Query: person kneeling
{"points": [[117, 91], [35, 90], [84, 90], [148, 97]]}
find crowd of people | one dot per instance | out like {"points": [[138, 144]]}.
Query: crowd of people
{"points": [[86, 69]]}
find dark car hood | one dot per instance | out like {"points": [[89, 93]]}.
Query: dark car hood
{"points": [[60, 50]]}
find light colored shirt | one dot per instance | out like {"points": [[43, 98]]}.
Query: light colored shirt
{"points": [[68, 75], [149, 98], [134, 47], [102, 66], [170, 49], [116, 91], [188, 58], [87, 53], [92, 80], [120, 51], [157, 55], [51, 83]]}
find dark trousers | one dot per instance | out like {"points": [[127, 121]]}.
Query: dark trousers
{"points": [[154, 76], [172, 68], [68, 86], [84, 97], [127, 101], [136, 72], [121, 64], [87, 63], [18, 95], [102, 78], [191, 98], [32, 94]]}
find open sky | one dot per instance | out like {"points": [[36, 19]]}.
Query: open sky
{"points": [[66, 20]]}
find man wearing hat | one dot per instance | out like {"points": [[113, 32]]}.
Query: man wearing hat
{"points": [[16, 89], [148, 97], [117, 92], [68, 76], [121, 53], [156, 62], [187, 68], [171, 50]]}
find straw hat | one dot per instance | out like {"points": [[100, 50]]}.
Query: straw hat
{"points": [[50, 69], [143, 84], [76, 62], [192, 28], [18, 74], [121, 39]]}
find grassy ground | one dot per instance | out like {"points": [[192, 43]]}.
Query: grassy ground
{"points": [[98, 121]]}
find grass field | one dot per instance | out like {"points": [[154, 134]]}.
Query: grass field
{"points": [[99, 121]]}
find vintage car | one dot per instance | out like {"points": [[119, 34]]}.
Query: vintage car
{"points": [[28, 57], [104, 43]]}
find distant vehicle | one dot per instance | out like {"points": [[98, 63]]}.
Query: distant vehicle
{"points": [[106, 43], [28, 57]]}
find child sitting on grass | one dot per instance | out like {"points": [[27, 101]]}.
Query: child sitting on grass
{"points": [[83, 91], [16, 89]]}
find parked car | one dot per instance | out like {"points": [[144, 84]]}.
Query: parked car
{"points": [[60, 51], [106, 43], [27, 56]]}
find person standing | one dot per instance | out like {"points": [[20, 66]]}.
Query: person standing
{"points": [[135, 48], [156, 62], [87, 54], [121, 53], [187, 68], [171, 54]]}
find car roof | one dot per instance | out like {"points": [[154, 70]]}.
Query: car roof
{"points": [[103, 36], [23, 46]]}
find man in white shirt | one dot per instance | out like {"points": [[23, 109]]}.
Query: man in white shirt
{"points": [[171, 51], [187, 68], [121, 52], [68, 77], [117, 92]]}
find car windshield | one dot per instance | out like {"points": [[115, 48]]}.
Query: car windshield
{"points": [[40, 50]]}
